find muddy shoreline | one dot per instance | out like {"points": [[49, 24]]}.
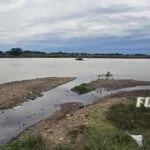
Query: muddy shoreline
{"points": [[14, 93], [108, 85], [111, 84], [73, 114]]}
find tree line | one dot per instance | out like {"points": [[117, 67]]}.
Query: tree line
{"points": [[20, 53]]}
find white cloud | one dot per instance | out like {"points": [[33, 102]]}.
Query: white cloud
{"points": [[25, 20], [7, 5]]}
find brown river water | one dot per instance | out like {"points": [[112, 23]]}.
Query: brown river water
{"points": [[15, 120]]}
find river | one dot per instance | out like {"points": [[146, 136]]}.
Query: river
{"points": [[14, 121], [12, 69]]}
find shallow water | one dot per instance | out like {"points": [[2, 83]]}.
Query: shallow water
{"points": [[14, 121]]}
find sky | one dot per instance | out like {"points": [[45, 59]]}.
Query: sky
{"points": [[101, 26]]}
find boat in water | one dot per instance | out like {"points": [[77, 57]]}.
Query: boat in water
{"points": [[79, 58]]}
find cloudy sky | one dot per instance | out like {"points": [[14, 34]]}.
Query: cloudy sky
{"points": [[76, 25]]}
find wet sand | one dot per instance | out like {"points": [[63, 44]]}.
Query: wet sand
{"points": [[14, 93], [108, 84], [111, 84], [55, 128]]}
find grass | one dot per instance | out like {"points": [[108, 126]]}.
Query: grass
{"points": [[103, 135], [107, 129], [73, 134], [29, 143], [62, 147], [128, 117], [82, 88], [112, 140]]}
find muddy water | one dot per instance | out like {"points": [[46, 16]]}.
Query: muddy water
{"points": [[12, 69], [14, 121]]}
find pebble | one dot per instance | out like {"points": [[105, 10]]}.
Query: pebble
{"points": [[68, 115], [50, 131], [40, 95], [61, 139], [58, 126], [45, 128]]}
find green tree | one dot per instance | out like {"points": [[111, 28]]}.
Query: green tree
{"points": [[15, 51], [1, 53]]}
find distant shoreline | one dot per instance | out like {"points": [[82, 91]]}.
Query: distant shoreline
{"points": [[90, 57], [19, 53]]}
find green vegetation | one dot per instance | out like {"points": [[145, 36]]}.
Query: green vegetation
{"points": [[129, 118], [108, 140], [82, 88], [18, 52], [73, 134], [107, 131], [103, 135], [29, 143], [62, 147]]}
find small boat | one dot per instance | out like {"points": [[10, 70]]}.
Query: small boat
{"points": [[79, 58]]}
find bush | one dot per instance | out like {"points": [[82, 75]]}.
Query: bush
{"points": [[81, 89], [128, 117]]}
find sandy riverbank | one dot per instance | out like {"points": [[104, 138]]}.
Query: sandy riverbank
{"points": [[107, 84], [14, 93], [111, 84], [56, 129]]}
